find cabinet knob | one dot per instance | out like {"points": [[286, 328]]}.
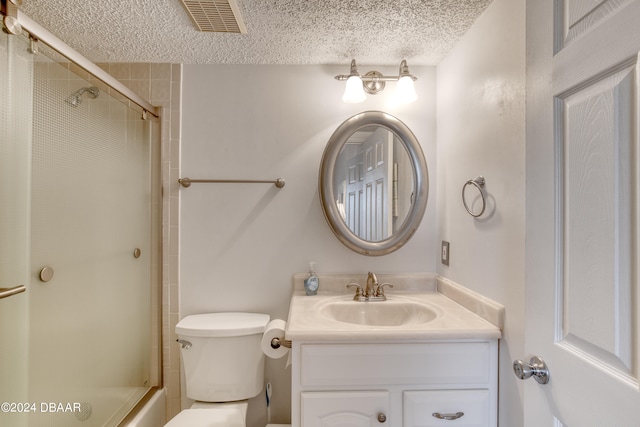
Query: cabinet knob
{"points": [[382, 417]]}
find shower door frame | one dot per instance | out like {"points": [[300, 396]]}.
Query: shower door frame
{"points": [[41, 34], [148, 111]]}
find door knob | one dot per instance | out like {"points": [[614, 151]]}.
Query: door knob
{"points": [[536, 368]]}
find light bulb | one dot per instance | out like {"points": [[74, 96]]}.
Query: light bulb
{"points": [[354, 92]]}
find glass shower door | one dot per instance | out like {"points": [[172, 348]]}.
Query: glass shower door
{"points": [[15, 176], [90, 323], [79, 226]]}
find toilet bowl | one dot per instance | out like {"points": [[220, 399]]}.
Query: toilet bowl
{"points": [[214, 416], [201, 414], [223, 366]]}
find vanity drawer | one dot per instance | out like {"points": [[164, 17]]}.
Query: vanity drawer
{"points": [[340, 408], [469, 407], [435, 364]]}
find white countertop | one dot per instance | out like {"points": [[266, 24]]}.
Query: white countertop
{"points": [[453, 321]]}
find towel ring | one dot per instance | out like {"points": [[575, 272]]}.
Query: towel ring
{"points": [[478, 182]]}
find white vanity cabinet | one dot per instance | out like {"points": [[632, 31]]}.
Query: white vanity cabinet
{"points": [[395, 383]]}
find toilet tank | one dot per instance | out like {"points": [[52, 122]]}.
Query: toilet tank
{"points": [[224, 362]]}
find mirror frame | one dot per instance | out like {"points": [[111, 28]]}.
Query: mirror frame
{"points": [[326, 183]]}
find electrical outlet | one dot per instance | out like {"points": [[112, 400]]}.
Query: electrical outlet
{"points": [[444, 253]]}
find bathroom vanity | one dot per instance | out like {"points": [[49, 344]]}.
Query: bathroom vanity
{"points": [[420, 360]]}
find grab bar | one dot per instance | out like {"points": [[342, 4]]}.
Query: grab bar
{"points": [[7, 292], [186, 182]]}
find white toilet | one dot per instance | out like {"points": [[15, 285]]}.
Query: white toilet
{"points": [[223, 366]]}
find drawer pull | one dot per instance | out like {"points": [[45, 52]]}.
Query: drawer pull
{"points": [[448, 417]]}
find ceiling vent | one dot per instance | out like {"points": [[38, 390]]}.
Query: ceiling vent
{"points": [[219, 16]]}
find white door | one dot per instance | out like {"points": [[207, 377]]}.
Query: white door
{"points": [[582, 212], [378, 162], [354, 194]]}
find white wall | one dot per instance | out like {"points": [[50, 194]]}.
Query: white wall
{"points": [[241, 243], [481, 131]]}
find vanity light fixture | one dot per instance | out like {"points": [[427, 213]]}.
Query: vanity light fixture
{"points": [[374, 82]]}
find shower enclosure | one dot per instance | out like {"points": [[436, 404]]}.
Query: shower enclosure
{"points": [[80, 218]]}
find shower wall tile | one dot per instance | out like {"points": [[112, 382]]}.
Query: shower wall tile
{"points": [[120, 70], [174, 249], [175, 96], [141, 71], [176, 70], [174, 175], [174, 209], [161, 91], [162, 72], [175, 130], [141, 86], [174, 277]]}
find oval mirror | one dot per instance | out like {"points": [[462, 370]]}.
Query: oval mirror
{"points": [[373, 183]]}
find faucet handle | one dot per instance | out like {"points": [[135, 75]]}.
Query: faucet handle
{"points": [[380, 289], [358, 289]]}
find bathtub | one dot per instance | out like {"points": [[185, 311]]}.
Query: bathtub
{"points": [[151, 414], [96, 406]]}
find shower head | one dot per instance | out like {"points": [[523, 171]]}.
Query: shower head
{"points": [[75, 98]]}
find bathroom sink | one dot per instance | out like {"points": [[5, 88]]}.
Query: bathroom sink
{"points": [[414, 310], [378, 313]]}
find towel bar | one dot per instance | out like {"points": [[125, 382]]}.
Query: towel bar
{"points": [[186, 182]]}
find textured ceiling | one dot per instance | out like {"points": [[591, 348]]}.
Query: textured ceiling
{"points": [[378, 32]]}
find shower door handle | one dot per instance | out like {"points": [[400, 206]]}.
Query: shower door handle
{"points": [[7, 292]]}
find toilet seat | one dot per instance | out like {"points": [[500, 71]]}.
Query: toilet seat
{"points": [[218, 417]]}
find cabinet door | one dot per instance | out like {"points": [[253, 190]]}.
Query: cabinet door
{"points": [[464, 408], [345, 409]]}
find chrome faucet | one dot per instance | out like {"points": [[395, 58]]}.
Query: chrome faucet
{"points": [[372, 285], [373, 291]]}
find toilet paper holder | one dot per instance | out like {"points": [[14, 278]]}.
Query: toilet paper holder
{"points": [[280, 342]]}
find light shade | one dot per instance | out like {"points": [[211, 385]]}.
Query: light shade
{"points": [[354, 91], [405, 90]]}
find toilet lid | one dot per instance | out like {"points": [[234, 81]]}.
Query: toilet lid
{"points": [[219, 417], [222, 324]]}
